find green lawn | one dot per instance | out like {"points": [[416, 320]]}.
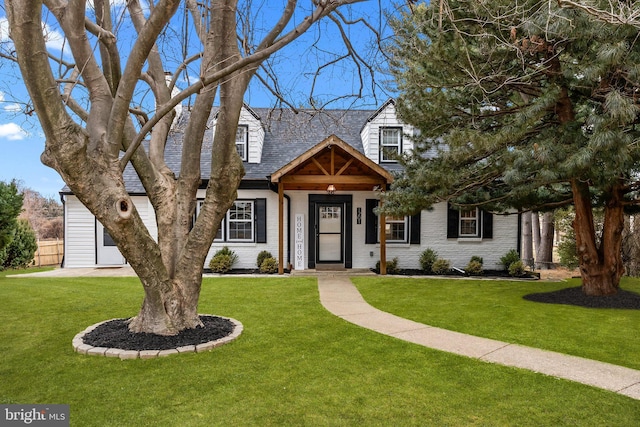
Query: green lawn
{"points": [[496, 309], [295, 364]]}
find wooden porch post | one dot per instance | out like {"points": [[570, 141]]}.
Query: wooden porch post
{"points": [[383, 242], [280, 228]]}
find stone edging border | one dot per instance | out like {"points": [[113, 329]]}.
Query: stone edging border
{"points": [[80, 347]]}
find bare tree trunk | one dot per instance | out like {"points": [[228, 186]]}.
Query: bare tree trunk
{"points": [[600, 266], [527, 239], [86, 146], [544, 249], [535, 223]]}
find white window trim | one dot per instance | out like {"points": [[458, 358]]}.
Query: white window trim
{"points": [[398, 145], [405, 220], [245, 143], [476, 219], [229, 221]]}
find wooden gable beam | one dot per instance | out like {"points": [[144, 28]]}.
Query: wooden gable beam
{"points": [[343, 168], [317, 163]]}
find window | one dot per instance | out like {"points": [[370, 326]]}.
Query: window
{"points": [[107, 240], [390, 144], [396, 228], [469, 223], [401, 229], [242, 137], [246, 221], [240, 221]]}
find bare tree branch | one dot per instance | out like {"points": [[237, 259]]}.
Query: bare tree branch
{"points": [[620, 12]]}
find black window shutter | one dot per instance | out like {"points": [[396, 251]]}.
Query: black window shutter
{"points": [[453, 217], [261, 220], [487, 225], [414, 237], [371, 222]]}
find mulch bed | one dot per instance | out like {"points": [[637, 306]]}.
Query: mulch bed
{"points": [[574, 296], [116, 334]]}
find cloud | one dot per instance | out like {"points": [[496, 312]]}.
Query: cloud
{"points": [[53, 38], [12, 108], [4, 29], [12, 132]]}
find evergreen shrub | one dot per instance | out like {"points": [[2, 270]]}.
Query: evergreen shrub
{"points": [[223, 260], [261, 257], [441, 266], [509, 258], [427, 258], [269, 265]]}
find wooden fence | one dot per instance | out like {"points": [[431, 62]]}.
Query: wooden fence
{"points": [[49, 252]]}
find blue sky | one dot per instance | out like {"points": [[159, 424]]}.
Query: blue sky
{"points": [[22, 141]]}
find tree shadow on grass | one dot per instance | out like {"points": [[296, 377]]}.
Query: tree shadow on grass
{"points": [[574, 296]]}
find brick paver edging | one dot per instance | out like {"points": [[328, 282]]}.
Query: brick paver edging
{"points": [[80, 347]]}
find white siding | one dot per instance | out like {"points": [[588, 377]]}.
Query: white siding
{"points": [[80, 234], [80, 230], [458, 251], [255, 135], [370, 134]]}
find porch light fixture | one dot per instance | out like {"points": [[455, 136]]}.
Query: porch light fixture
{"points": [[331, 189]]}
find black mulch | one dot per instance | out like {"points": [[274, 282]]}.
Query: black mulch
{"points": [[574, 296], [116, 334]]}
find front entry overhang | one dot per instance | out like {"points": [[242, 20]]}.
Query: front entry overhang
{"points": [[331, 165]]}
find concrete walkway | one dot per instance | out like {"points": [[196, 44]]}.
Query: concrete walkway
{"points": [[340, 297]]}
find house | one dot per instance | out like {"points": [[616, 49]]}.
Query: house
{"points": [[308, 197]]}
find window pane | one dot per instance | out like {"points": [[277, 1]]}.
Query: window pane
{"points": [[395, 232], [396, 229], [390, 143], [240, 221], [107, 240], [468, 227], [241, 142], [469, 222]]}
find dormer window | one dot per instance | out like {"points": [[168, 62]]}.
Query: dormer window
{"points": [[390, 143], [242, 139]]}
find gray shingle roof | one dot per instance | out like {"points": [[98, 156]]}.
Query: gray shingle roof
{"points": [[287, 136]]}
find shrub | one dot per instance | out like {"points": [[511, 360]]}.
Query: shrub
{"points": [[427, 258], [262, 256], [269, 265], [19, 253], [392, 266], [509, 258], [475, 258], [220, 263], [223, 260], [441, 266], [474, 268], [516, 269]]}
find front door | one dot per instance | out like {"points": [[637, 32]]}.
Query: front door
{"points": [[330, 233], [330, 230]]}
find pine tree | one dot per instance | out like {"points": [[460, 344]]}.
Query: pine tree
{"points": [[10, 207], [522, 106]]}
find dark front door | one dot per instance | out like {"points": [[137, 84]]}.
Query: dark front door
{"points": [[330, 233], [330, 230]]}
